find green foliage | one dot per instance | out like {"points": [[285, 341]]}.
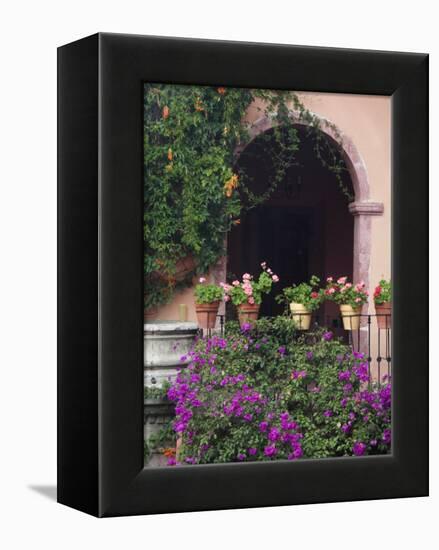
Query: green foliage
{"points": [[343, 292], [272, 331], [307, 294], [383, 292], [207, 293], [156, 392], [146, 451], [165, 437], [192, 194]]}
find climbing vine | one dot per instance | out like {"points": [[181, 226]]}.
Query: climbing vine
{"points": [[194, 191]]}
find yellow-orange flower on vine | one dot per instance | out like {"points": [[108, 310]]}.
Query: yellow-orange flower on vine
{"points": [[230, 185], [236, 222], [221, 90], [169, 452], [170, 155], [198, 105], [165, 112]]}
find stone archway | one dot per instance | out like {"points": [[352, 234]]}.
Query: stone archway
{"points": [[362, 208]]}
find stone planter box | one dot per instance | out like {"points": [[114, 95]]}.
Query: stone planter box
{"points": [[156, 414], [165, 342]]}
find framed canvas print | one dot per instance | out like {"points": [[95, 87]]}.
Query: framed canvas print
{"points": [[242, 275]]}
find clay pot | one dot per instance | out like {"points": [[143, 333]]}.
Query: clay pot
{"points": [[184, 267], [150, 314], [301, 316], [248, 313], [206, 314], [351, 317], [384, 315]]}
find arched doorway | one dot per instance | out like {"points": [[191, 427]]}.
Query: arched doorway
{"points": [[362, 208], [303, 229]]}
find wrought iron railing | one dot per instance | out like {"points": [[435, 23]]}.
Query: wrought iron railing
{"points": [[369, 334]]}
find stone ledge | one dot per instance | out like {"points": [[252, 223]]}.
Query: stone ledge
{"points": [[366, 208], [169, 327]]}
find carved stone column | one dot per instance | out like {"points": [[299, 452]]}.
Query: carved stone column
{"points": [[363, 212], [363, 237]]}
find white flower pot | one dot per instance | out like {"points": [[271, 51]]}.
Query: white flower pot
{"points": [[301, 315], [351, 317]]}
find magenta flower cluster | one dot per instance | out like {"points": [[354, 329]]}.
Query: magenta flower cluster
{"points": [[371, 406], [202, 389], [281, 430]]}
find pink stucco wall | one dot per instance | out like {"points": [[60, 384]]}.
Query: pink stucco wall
{"points": [[367, 122]]}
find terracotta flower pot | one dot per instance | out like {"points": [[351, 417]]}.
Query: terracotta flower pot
{"points": [[206, 314], [301, 316], [248, 313], [183, 268], [351, 317], [384, 314], [150, 314]]}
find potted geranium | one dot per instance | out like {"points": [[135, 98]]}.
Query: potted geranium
{"points": [[207, 300], [382, 298], [247, 294], [303, 299], [349, 297]]}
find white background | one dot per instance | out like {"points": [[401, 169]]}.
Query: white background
{"points": [[30, 32]]}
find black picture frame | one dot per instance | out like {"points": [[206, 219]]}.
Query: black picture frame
{"points": [[100, 274]]}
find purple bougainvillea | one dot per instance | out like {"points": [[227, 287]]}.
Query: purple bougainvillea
{"points": [[259, 393], [359, 448]]}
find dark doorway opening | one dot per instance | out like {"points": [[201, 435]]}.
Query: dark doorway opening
{"points": [[282, 236], [303, 229]]}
